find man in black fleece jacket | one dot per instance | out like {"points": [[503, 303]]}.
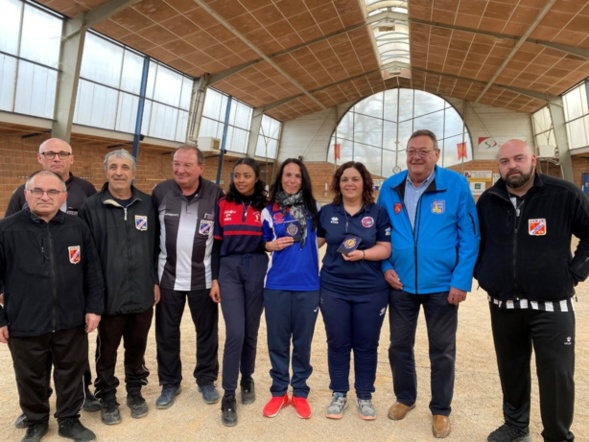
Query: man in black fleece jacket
{"points": [[53, 297], [525, 265]]}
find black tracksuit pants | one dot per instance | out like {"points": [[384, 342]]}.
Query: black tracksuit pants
{"points": [[69, 349], [552, 336], [133, 329]]}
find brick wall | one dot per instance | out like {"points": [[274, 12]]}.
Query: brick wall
{"points": [[19, 160], [155, 165], [580, 166]]}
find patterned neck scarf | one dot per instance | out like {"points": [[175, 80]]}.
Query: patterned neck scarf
{"points": [[296, 205]]}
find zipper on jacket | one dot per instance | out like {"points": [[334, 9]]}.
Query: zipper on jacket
{"points": [[517, 219], [415, 240], [128, 228], [43, 251], [53, 278], [245, 208]]}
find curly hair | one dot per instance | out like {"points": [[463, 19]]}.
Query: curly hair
{"points": [[260, 196], [367, 191]]}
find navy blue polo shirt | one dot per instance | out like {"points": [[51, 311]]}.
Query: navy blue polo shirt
{"points": [[372, 225]]}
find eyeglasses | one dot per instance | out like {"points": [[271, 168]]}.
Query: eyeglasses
{"points": [[418, 152], [38, 193], [51, 155]]}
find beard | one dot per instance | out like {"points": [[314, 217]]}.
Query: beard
{"points": [[516, 181]]}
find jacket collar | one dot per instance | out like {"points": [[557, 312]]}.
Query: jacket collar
{"points": [[59, 217], [107, 198], [500, 189], [438, 184], [201, 189]]}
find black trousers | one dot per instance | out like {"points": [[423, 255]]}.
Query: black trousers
{"points": [[87, 376], [69, 349], [133, 329], [552, 336], [241, 281], [205, 316], [441, 319]]}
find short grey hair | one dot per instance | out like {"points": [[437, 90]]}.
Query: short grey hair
{"points": [[120, 153], [46, 143], [46, 173], [425, 133]]}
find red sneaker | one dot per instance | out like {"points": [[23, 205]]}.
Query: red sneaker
{"points": [[274, 405], [301, 406]]}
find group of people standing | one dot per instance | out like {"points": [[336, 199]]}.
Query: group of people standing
{"points": [[254, 251]]}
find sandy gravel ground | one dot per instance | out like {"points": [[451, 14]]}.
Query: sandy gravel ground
{"points": [[476, 406]]}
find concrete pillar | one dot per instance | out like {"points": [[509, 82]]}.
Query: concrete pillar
{"points": [[199, 92], [70, 60], [556, 108], [255, 125]]}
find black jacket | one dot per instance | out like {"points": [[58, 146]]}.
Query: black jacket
{"points": [[77, 192], [51, 274], [126, 242], [530, 256]]}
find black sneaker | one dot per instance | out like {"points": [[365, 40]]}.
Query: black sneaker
{"points": [[109, 414], [73, 429], [209, 393], [91, 404], [248, 391], [168, 396], [20, 422], [137, 405], [229, 411], [35, 432], [509, 433]]}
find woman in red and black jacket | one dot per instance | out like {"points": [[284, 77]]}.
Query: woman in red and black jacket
{"points": [[239, 265]]}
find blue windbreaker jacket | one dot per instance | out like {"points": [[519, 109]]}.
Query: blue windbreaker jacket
{"points": [[441, 251]]}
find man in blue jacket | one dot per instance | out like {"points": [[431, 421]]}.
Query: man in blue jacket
{"points": [[435, 239]]}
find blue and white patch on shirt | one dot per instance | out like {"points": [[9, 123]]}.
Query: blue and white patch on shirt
{"points": [[141, 222], [205, 227]]}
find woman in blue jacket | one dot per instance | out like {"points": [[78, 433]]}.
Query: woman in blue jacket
{"points": [[291, 296]]}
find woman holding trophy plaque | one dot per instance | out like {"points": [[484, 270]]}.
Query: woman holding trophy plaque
{"points": [[354, 293], [291, 294]]}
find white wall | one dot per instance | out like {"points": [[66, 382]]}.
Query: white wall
{"points": [[309, 135], [497, 123]]}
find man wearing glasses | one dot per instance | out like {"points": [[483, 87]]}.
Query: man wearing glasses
{"points": [[56, 155], [53, 297], [435, 238]]}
